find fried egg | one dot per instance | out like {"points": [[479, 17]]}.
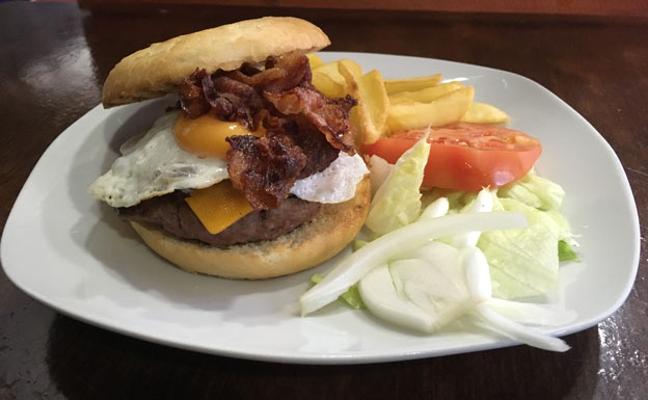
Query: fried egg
{"points": [[337, 183], [153, 166], [166, 159]]}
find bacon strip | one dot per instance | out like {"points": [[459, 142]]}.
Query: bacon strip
{"points": [[305, 129], [329, 116], [191, 92], [264, 168]]}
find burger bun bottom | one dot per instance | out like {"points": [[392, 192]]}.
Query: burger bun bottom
{"points": [[332, 229]]}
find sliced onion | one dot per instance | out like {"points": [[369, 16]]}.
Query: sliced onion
{"points": [[381, 298], [351, 269], [436, 253], [478, 279], [438, 208], [530, 336], [483, 203], [438, 288], [531, 313]]}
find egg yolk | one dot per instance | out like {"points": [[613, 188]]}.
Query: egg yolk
{"points": [[205, 136]]}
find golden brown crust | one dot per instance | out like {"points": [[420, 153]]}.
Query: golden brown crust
{"points": [[309, 245], [156, 70]]}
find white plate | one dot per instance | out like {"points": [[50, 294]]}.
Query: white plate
{"points": [[72, 253]]}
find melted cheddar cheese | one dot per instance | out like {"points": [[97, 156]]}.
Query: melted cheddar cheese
{"points": [[218, 206]]}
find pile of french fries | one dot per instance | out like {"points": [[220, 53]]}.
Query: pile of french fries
{"points": [[386, 106]]}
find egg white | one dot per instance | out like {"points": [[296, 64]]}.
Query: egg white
{"points": [[337, 183], [154, 165]]}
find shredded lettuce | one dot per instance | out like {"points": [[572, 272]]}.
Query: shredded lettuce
{"points": [[564, 231], [316, 278], [351, 297], [524, 263], [398, 200], [566, 252], [543, 194], [439, 282], [535, 192], [379, 170], [358, 243], [456, 200]]}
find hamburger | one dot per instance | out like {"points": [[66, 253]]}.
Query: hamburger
{"points": [[253, 174]]}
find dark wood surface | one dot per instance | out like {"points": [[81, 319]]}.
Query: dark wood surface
{"points": [[53, 59], [572, 7]]}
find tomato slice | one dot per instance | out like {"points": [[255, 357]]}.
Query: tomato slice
{"points": [[466, 156]]}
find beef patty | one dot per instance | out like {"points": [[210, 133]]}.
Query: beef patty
{"points": [[171, 214]]}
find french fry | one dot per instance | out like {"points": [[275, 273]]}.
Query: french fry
{"points": [[444, 110], [372, 89], [332, 71], [425, 95], [412, 84], [325, 84], [482, 113], [354, 67], [399, 103], [314, 60], [370, 115]]}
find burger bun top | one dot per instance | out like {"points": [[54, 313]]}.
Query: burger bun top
{"points": [[158, 69]]}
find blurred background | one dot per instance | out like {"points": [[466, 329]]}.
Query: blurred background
{"points": [[618, 8]]}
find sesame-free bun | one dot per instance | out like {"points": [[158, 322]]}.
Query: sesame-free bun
{"points": [[157, 69], [327, 234]]}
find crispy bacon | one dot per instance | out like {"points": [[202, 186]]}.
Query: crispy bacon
{"points": [[305, 129], [191, 92], [232, 100], [257, 79], [297, 71], [329, 116], [314, 145], [264, 168]]}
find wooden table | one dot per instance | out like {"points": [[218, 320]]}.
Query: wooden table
{"points": [[54, 59]]}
